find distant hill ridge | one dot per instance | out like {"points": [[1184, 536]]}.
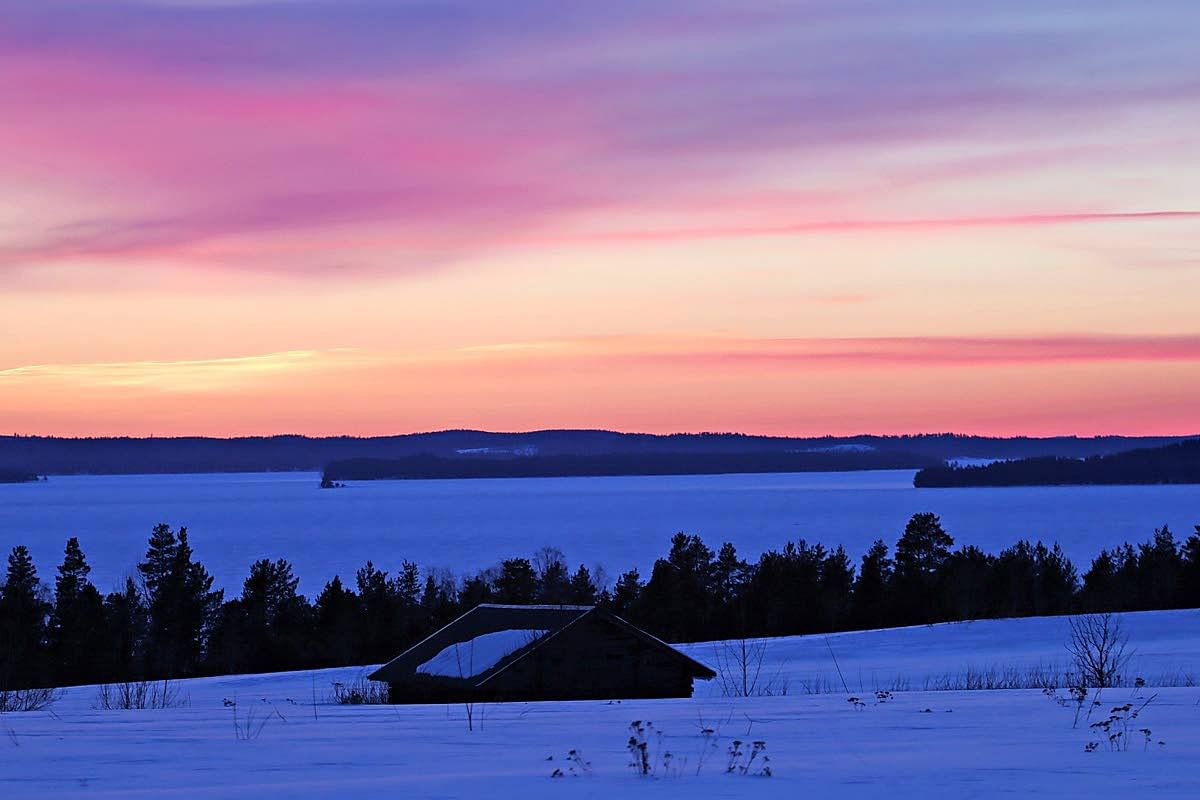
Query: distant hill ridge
{"points": [[1174, 463], [126, 455]]}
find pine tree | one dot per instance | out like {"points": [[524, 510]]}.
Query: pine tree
{"points": [[872, 588], [517, 582], [837, 584], [553, 577], [1160, 568], [181, 603], [626, 594], [123, 646], [921, 553], [1099, 583], [336, 626], [75, 636], [554, 582], [438, 600], [276, 617], [964, 587], [582, 590], [1057, 579], [923, 548], [728, 577], [1189, 572], [1015, 585], [159, 564], [408, 585], [379, 623], [23, 615]]}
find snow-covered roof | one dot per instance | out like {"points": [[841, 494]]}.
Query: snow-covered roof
{"points": [[477, 656], [484, 619], [475, 647]]}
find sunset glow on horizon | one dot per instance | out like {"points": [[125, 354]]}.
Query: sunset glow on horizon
{"points": [[373, 217]]}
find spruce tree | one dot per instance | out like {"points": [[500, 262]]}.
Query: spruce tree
{"points": [[273, 617], [22, 623], [873, 587], [921, 553], [626, 594], [582, 590], [181, 603], [336, 624], [75, 636], [380, 622], [837, 584], [123, 647], [1160, 569], [517, 582], [1189, 573]]}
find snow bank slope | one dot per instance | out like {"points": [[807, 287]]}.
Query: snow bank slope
{"points": [[1165, 645]]}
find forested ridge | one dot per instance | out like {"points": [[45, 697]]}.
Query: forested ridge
{"points": [[49, 455], [11, 475], [1175, 463]]}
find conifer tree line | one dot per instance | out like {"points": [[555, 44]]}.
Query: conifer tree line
{"points": [[169, 621]]}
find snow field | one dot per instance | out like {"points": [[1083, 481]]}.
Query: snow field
{"points": [[917, 743]]}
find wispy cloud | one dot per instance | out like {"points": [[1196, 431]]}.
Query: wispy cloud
{"points": [[256, 136], [868, 352], [191, 376], [868, 225], [672, 351]]}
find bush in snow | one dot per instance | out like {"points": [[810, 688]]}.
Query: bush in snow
{"points": [[27, 699], [132, 695], [361, 692]]}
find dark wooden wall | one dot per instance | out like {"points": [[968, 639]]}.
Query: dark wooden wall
{"points": [[592, 659]]}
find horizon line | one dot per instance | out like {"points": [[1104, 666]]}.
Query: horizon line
{"points": [[533, 431]]}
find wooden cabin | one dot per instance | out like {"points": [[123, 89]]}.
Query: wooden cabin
{"points": [[499, 653]]}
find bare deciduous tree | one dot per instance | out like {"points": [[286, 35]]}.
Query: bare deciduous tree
{"points": [[740, 667], [1100, 649]]}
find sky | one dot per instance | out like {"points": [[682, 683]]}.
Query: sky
{"points": [[379, 216]]}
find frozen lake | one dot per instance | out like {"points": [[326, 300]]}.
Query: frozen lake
{"points": [[234, 519]]}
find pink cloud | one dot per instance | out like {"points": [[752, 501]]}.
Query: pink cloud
{"points": [[867, 225], [463, 144]]}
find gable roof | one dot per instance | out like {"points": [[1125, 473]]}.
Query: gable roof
{"points": [[491, 618], [698, 670]]}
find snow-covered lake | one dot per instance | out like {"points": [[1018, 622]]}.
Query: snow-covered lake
{"points": [[616, 522]]}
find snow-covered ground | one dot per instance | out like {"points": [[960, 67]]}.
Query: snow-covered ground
{"points": [[949, 744], [1165, 647]]}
